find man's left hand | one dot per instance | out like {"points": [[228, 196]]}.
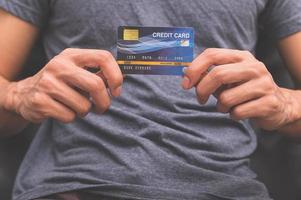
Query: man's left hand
{"points": [[243, 86]]}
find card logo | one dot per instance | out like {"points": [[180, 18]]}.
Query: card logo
{"points": [[185, 43]]}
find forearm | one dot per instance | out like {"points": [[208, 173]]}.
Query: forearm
{"points": [[10, 122]]}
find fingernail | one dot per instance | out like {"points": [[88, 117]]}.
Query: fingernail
{"points": [[118, 91], [186, 83], [184, 70]]}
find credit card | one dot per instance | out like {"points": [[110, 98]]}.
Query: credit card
{"points": [[154, 50]]}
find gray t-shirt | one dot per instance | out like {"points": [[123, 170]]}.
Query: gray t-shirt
{"points": [[156, 141]]}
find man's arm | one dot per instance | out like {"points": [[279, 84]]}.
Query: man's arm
{"points": [[290, 49], [16, 40]]}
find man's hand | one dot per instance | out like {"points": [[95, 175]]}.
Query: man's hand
{"points": [[62, 89], [243, 86]]}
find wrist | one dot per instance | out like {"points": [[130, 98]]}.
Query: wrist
{"points": [[292, 105], [9, 97], [8, 104]]}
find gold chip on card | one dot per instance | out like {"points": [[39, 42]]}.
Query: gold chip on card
{"points": [[131, 34]]}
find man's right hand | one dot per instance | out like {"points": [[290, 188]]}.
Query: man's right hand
{"points": [[62, 89]]}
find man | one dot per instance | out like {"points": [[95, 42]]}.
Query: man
{"points": [[104, 136]]}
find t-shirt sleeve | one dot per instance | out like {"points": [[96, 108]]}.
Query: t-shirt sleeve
{"points": [[35, 12], [282, 18]]}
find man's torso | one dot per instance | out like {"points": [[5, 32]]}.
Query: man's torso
{"points": [[156, 141]]}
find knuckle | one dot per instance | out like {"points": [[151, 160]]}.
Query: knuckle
{"points": [[270, 87], [247, 54], [97, 84], [106, 105], [105, 56], [210, 53], [260, 68], [217, 74], [192, 72], [85, 108], [200, 92], [261, 65], [255, 72], [236, 114], [56, 65], [68, 51], [225, 99], [261, 92], [273, 102], [51, 64], [37, 100], [46, 81], [44, 113], [117, 79], [69, 118]]}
